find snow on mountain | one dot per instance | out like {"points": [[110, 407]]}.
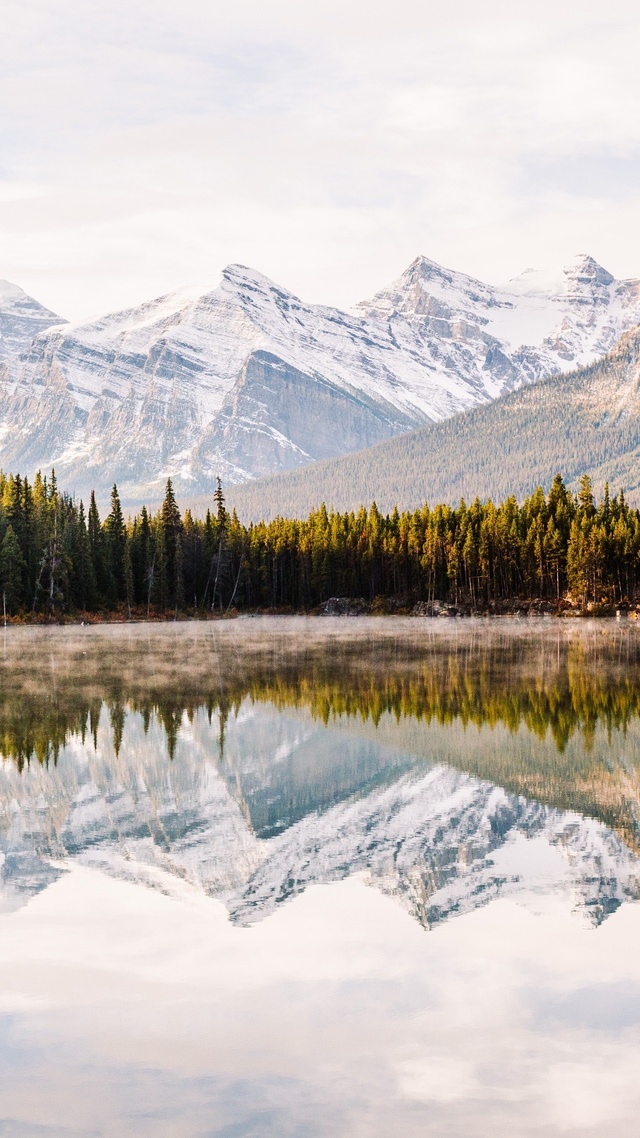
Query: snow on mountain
{"points": [[536, 325], [21, 318], [440, 841], [247, 379]]}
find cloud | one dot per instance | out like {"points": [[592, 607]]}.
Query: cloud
{"points": [[145, 145]]}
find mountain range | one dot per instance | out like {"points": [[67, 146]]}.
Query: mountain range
{"points": [[246, 380], [586, 422]]}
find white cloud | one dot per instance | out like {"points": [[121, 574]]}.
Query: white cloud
{"points": [[145, 145]]}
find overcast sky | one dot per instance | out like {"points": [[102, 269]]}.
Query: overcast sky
{"points": [[145, 144]]}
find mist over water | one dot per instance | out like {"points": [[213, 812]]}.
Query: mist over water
{"points": [[306, 876]]}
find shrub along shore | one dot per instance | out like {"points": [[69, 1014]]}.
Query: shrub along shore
{"points": [[553, 553]]}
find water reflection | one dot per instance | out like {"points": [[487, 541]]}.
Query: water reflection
{"points": [[191, 823], [255, 766]]}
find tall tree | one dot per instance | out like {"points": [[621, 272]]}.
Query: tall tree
{"points": [[11, 567], [115, 544], [97, 549], [170, 525]]}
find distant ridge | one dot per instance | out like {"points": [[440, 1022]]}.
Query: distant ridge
{"points": [[584, 422]]}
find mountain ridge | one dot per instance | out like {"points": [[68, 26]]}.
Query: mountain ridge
{"points": [[584, 422], [246, 379]]}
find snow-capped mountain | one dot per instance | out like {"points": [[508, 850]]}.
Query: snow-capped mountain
{"points": [[21, 318], [440, 841], [537, 325], [247, 379]]}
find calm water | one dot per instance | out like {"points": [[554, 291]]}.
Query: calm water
{"points": [[320, 879]]}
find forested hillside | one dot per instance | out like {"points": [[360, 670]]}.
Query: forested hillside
{"points": [[56, 560], [586, 422]]}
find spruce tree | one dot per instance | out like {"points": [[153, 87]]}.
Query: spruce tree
{"points": [[11, 567], [96, 549], [170, 525], [128, 577], [29, 543], [115, 544], [85, 582]]}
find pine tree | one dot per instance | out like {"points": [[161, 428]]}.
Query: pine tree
{"points": [[178, 584], [585, 496], [141, 552], [115, 543], [218, 498], [28, 545], [577, 578], [128, 577], [220, 552], [170, 525], [11, 567], [161, 574], [83, 583], [97, 549]]}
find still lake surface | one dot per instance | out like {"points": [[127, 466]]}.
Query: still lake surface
{"points": [[320, 879]]}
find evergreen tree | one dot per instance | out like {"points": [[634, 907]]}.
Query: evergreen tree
{"points": [[585, 496], [218, 574], [97, 549], [160, 589], [170, 526], [56, 560], [115, 544], [128, 578], [11, 566], [87, 579]]}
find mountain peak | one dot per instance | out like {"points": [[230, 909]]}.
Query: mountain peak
{"points": [[422, 283], [585, 270], [10, 292], [241, 377], [426, 267], [243, 276], [582, 275], [21, 318], [425, 270], [13, 297]]}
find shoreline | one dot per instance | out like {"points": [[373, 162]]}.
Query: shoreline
{"points": [[343, 608]]}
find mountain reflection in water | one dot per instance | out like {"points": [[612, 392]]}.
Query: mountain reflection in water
{"points": [[255, 758]]}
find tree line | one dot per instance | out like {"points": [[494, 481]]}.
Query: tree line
{"points": [[56, 558]]}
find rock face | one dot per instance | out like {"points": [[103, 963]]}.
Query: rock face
{"points": [[277, 417], [21, 318], [247, 379], [289, 805]]}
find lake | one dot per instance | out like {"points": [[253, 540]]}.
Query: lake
{"points": [[308, 878]]}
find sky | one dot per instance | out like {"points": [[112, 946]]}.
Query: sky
{"points": [[145, 144]]}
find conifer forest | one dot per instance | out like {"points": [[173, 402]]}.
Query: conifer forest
{"points": [[58, 559]]}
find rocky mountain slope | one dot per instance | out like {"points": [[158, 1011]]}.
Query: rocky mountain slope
{"points": [[584, 422], [247, 379], [21, 319], [439, 840]]}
